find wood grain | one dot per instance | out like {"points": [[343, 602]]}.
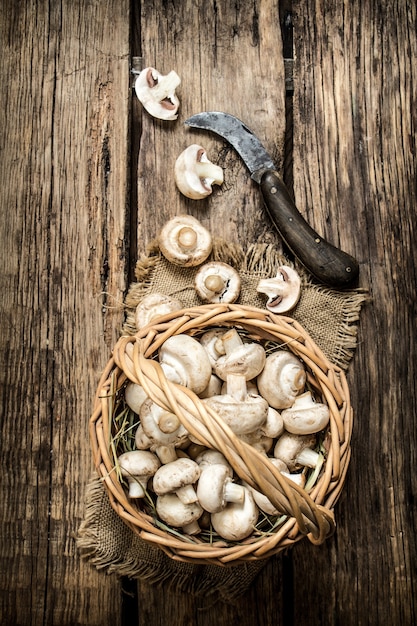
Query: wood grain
{"points": [[354, 177], [87, 183], [63, 204], [228, 58]]}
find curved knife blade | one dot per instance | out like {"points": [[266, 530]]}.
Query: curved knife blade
{"points": [[327, 263]]}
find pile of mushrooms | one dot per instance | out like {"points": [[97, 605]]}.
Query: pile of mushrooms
{"points": [[263, 398]]}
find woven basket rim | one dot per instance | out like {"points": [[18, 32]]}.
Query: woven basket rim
{"points": [[307, 515]]}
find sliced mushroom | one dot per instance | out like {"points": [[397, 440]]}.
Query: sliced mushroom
{"points": [[217, 282], [184, 241], [157, 93], [152, 305], [283, 291], [195, 174]]}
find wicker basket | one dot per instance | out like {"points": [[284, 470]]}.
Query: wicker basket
{"points": [[303, 514]]}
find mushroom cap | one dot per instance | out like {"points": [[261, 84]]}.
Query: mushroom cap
{"points": [[236, 521], [195, 174], [185, 361], [212, 457], [135, 396], [248, 359], [174, 512], [242, 417], [274, 424], [211, 340], [150, 416], [153, 305], [156, 92], [215, 488], [217, 282], [184, 241], [174, 475], [289, 447], [305, 416], [283, 291], [138, 466], [214, 387], [282, 379]]}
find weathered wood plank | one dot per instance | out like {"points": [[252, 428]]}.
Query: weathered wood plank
{"points": [[229, 59], [354, 177], [63, 203]]}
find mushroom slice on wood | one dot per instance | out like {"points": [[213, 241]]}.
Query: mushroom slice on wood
{"points": [[283, 291], [157, 93], [184, 241], [217, 282], [195, 173]]}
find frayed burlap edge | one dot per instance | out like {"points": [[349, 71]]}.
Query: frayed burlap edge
{"points": [[126, 554]]}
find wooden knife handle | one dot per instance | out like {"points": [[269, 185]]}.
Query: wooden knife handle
{"points": [[328, 264]]}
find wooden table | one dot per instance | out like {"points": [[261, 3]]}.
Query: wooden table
{"points": [[86, 182]]}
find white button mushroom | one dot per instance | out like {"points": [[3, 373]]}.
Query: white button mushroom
{"points": [[237, 520], [282, 379], [296, 451], [217, 282], [185, 361], [137, 466], [283, 291], [306, 416], [175, 513], [212, 342], [163, 429], [211, 457], [240, 358], [152, 305], [262, 501], [178, 477], [242, 412], [216, 488], [156, 92], [135, 396], [214, 387], [184, 241], [195, 173]]}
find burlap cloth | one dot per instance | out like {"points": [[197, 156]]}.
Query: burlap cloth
{"points": [[330, 317]]}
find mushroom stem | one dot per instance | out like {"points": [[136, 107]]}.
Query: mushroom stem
{"points": [[214, 282], [233, 493], [308, 457], [208, 170], [236, 387], [187, 238], [187, 494], [231, 341], [169, 423]]}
